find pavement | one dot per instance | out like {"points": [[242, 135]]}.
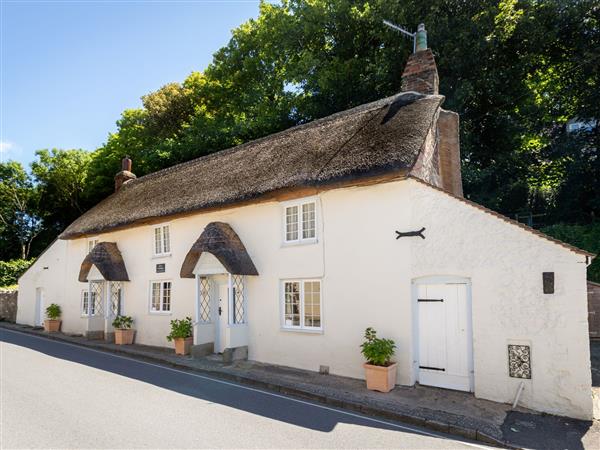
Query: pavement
{"points": [[58, 395], [446, 411]]}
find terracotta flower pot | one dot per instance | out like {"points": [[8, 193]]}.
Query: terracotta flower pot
{"points": [[124, 336], [52, 325], [380, 378], [183, 345]]}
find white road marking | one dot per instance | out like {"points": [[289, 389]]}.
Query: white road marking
{"points": [[240, 386]]}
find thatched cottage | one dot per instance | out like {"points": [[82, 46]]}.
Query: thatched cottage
{"points": [[285, 249]]}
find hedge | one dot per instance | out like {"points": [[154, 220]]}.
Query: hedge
{"points": [[586, 237], [10, 271]]}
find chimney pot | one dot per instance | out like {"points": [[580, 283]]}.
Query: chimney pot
{"points": [[126, 164], [421, 38]]}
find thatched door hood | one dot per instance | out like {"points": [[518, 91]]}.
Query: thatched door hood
{"points": [[219, 239], [109, 261]]}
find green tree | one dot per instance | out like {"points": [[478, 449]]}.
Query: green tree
{"points": [[19, 202], [61, 180]]}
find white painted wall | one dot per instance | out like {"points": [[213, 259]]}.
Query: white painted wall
{"points": [[366, 281], [48, 273], [505, 265]]}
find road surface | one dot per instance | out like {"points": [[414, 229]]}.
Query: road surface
{"points": [[60, 395]]}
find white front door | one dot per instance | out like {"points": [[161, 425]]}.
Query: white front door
{"points": [[39, 306], [222, 316], [444, 336]]}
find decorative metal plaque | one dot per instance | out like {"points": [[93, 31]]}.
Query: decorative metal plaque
{"points": [[519, 361], [160, 268]]}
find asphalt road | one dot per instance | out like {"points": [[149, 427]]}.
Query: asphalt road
{"points": [[59, 395]]}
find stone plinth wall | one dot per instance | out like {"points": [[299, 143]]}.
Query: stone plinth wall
{"points": [[594, 309], [8, 305]]}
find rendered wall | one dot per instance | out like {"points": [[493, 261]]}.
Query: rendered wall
{"points": [[47, 272], [505, 265], [366, 279]]}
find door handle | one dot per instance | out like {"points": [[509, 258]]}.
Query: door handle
{"points": [[220, 310]]}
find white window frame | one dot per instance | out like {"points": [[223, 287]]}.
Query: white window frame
{"points": [[162, 253], [302, 327], [85, 298], [161, 297], [299, 203], [93, 241]]}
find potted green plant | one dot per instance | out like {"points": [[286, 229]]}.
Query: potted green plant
{"points": [[52, 323], [380, 371], [181, 333], [123, 331]]}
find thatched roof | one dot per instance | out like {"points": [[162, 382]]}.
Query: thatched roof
{"points": [[382, 137], [108, 260], [219, 239]]}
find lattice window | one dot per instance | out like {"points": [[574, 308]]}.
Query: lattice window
{"points": [[204, 299], [237, 282], [116, 297], [97, 297], [519, 361]]}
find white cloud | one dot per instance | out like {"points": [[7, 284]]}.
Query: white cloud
{"points": [[7, 149]]}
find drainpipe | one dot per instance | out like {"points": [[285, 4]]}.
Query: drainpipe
{"points": [[518, 396]]}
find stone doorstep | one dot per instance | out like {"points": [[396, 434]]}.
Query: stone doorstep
{"points": [[295, 390]]}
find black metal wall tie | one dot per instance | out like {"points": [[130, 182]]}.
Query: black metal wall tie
{"points": [[411, 233]]}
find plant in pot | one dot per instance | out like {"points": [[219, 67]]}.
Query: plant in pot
{"points": [[181, 333], [52, 323], [123, 331], [380, 371]]}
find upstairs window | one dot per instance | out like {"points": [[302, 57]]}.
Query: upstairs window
{"points": [[162, 240], [92, 242], [300, 222]]}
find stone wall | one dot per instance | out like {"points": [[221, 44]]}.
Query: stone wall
{"points": [[8, 305], [594, 309]]}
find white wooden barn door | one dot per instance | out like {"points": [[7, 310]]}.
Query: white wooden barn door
{"points": [[444, 336]]}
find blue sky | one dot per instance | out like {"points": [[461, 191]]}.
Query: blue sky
{"points": [[69, 68]]}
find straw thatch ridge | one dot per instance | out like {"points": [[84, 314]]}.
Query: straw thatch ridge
{"points": [[219, 239], [378, 138], [106, 256]]}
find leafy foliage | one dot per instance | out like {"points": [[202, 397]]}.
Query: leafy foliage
{"points": [[586, 237], [10, 271], [377, 351], [122, 322], [515, 70], [180, 328], [53, 311]]}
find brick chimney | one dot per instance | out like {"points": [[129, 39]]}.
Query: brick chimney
{"points": [[420, 73], [125, 174]]}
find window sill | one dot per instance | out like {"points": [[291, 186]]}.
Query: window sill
{"points": [[160, 313], [299, 243], [302, 330], [162, 255]]}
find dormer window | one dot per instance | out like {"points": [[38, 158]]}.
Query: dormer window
{"points": [[162, 240], [300, 219]]}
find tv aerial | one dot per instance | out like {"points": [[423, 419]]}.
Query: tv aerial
{"points": [[419, 37]]}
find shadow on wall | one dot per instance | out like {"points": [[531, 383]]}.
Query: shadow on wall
{"points": [[8, 305], [595, 360], [227, 394]]}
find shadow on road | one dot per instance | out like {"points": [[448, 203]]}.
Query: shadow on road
{"points": [[272, 406]]}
